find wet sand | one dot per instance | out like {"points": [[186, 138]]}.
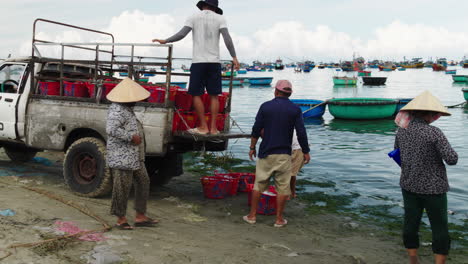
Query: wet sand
{"points": [[192, 229]]}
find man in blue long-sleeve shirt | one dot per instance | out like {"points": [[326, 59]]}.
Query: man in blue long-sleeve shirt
{"points": [[277, 118]]}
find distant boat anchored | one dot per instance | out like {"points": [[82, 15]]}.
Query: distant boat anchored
{"points": [[374, 80], [344, 80], [451, 72], [260, 80]]}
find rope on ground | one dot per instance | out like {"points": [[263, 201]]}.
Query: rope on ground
{"points": [[71, 204], [6, 256], [106, 226], [13, 246], [457, 105]]}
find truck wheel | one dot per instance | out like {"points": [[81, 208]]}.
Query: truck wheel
{"points": [[19, 154], [84, 168]]}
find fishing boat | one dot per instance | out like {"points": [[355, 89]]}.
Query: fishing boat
{"points": [[297, 70], [235, 82], [402, 69], [364, 73], [401, 103], [347, 66], [362, 108], [465, 93], [464, 62], [344, 80], [307, 68], [123, 74], [460, 78], [451, 72], [242, 72], [306, 105], [182, 85], [260, 80], [144, 80], [253, 69], [440, 65], [279, 65], [228, 73], [374, 80], [416, 63], [321, 66], [387, 66]]}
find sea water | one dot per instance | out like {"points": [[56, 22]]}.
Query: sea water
{"points": [[353, 154]]}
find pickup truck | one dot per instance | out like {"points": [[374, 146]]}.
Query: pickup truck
{"points": [[31, 121]]}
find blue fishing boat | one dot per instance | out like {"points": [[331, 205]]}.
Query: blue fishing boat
{"points": [[149, 74], [306, 104], [182, 85], [260, 80], [401, 103], [254, 69], [401, 69], [242, 72]]}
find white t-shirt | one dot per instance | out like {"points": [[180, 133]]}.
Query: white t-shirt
{"points": [[295, 143], [206, 27]]}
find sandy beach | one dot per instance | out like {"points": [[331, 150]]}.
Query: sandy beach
{"points": [[192, 228]]}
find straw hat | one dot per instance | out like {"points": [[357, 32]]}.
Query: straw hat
{"points": [[128, 91], [426, 102]]}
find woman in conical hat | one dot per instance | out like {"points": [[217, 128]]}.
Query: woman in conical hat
{"points": [[126, 153], [424, 149]]}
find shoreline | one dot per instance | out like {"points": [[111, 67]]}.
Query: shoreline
{"points": [[192, 229]]}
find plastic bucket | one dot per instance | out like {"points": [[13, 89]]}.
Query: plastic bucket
{"points": [[267, 202]]}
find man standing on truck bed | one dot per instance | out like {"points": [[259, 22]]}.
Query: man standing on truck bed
{"points": [[205, 72], [126, 153]]}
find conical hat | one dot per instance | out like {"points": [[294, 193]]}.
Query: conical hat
{"points": [[426, 102], [128, 91]]}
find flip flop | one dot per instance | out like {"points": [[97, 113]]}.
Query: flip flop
{"points": [[195, 131], [281, 225], [247, 220], [216, 133], [124, 226], [148, 223]]}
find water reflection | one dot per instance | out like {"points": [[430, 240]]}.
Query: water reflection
{"points": [[382, 126], [459, 84], [313, 121]]}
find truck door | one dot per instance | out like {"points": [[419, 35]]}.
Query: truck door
{"points": [[11, 76]]}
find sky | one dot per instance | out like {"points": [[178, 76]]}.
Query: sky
{"points": [[294, 30]]}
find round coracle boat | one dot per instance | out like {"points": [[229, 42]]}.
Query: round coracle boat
{"points": [[362, 108]]}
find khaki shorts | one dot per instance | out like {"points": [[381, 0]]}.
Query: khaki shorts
{"points": [[278, 166], [297, 161]]}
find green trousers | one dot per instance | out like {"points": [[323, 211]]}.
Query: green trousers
{"points": [[436, 209]]}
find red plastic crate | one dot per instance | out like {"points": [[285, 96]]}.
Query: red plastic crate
{"points": [[49, 88], [222, 98], [220, 121], [244, 179], [75, 89], [218, 187], [189, 117], [107, 88], [183, 100], [158, 93]]}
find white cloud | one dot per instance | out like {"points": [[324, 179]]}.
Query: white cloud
{"points": [[291, 39]]}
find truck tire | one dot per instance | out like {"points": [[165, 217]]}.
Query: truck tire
{"points": [[85, 170], [162, 169], [20, 154]]}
